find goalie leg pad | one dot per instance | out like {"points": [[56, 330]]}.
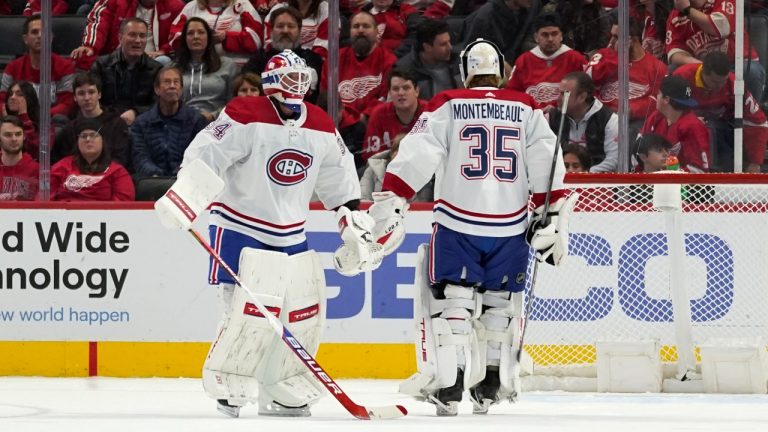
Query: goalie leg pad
{"points": [[444, 343], [499, 330], [243, 339], [284, 379]]}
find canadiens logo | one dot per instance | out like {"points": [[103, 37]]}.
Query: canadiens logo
{"points": [[289, 167]]}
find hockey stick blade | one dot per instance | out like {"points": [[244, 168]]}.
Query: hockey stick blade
{"points": [[359, 411]]}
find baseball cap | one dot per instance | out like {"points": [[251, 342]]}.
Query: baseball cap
{"points": [[547, 20], [679, 90]]}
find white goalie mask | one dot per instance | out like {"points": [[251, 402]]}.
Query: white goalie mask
{"points": [[287, 78], [480, 57]]}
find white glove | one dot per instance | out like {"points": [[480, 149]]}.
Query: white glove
{"points": [[388, 213], [358, 253], [196, 187], [548, 236]]}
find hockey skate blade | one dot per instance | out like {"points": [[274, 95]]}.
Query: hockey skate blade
{"points": [[388, 412]]}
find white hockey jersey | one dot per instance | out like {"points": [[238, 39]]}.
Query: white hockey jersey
{"points": [[487, 149], [271, 167]]}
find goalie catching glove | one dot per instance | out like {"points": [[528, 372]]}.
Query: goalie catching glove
{"points": [[388, 213], [358, 253], [548, 236]]}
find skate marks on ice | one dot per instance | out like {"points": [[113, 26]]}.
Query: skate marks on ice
{"points": [[168, 405]]}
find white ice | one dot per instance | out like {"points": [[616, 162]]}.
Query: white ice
{"points": [[165, 405]]}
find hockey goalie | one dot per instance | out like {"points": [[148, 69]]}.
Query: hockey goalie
{"points": [[256, 168], [487, 148]]}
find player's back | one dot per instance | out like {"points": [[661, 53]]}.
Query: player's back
{"points": [[477, 142]]}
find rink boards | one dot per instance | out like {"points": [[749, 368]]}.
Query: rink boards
{"points": [[107, 291]]}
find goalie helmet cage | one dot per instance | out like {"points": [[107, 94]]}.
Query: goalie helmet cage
{"points": [[615, 283]]}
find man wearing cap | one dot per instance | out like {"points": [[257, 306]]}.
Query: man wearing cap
{"points": [[675, 121], [538, 72]]}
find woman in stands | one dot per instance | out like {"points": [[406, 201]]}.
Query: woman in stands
{"points": [[207, 75], [314, 26], [90, 174], [247, 84], [237, 27]]}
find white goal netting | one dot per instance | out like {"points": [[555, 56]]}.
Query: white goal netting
{"points": [[615, 284]]}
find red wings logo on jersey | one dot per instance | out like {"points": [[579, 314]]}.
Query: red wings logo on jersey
{"points": [[544, 92], [289, 167], [610, 91], [358, 88], [76, 183]]}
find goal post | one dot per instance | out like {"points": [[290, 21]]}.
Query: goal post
{"points": [[616, 283]]}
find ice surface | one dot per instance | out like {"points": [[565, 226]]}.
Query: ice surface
{"points": [[165, 405]]}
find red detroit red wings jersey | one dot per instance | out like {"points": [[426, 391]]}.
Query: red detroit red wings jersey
{"points": [[279, 164], [487, 148], [689, 138], [384, 126], [645, 77], [718, 105], [684, 35], [539, 75], [362, 83]]}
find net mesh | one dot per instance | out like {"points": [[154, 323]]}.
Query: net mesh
{"points": [[615, 284]]}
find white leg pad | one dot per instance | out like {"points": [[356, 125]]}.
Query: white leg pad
{"points": [[243, 339], [443, 343], [499, 330], [284, 378]]}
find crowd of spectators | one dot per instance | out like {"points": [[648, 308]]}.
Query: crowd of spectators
{"points": [[149, 74]]}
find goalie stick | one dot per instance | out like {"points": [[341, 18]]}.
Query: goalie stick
{"points": [[547, 198], [359, 411]]}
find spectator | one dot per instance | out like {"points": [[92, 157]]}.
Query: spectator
{"points": [[585, 23], [114, 130], [58, 7], [314, 25], [588, 123], [286, 27], [391, 17], [506, 23], [22, 102], [653, 17], [697, 27], [432, 62], [90, 174], [237, 27], [538, 72], [576, 158], [645, 74], [652, 153], [362, 83], [27, 67], [392, 118], [675, 121], [713, 84], [19, 173], [207, 76], [373, 176], [247, 84], [161, 135], [103, 29], [127, 74]]}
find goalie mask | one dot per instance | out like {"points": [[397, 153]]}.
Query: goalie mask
{"points": [[287, 79], [480, 57]]}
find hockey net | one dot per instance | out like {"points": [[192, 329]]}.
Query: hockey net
{"points": [[615, 283]]}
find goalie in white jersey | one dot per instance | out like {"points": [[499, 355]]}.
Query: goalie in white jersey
{"points": [[488, 149], [256, 167]]}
